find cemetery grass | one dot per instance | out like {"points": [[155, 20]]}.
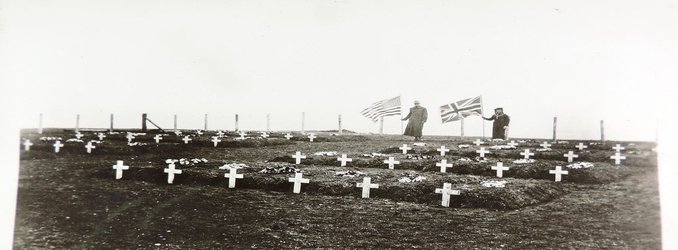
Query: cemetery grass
{"points": [[71, 200]]}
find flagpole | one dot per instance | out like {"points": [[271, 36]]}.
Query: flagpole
{"points": [[401, 114], [482, 114]]}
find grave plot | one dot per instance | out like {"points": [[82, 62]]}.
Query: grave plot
{"points": [[396, 185], [600, 172]]}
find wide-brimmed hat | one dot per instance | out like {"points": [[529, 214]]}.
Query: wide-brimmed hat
{"points": [[502, 109]]}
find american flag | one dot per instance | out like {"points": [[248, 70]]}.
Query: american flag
{"points": [[457, 110], [383, 108]]}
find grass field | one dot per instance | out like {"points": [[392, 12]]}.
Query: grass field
{"points": [[70, 199]]}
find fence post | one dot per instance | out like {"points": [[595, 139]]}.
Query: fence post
{"points": [[143, 122], [40, 124], [340, 129], [175, 123], [381, 125], [602, 132], [555, 119], [268, 122], [303, 120], [205, 122], [77, 123], [236, 122], [111, 129]]}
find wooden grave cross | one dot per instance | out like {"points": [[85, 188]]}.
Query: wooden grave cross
{"points": [[119, 167], [404, 148], [232, 177], [311, 136], [500, 169], [129, 137], [157, 138], [186, 139], [618, 148], [482, 152], [391, 162], [297, 157], [89, 147], [57, 146], [512, 144], [527, 154], [297, 182], [171, 171], [477, 142], [78, 135], [558, 172], [617, 157], [446, 191], [442, 150], [101, 136], [343, 159], [215, 140], [581, 146], [443, 165], [27, 144], [570, 155], [545, 145], [366, 185], [288, 136]]}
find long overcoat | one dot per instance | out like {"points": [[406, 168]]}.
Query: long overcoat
{"points": [[417, 117]]}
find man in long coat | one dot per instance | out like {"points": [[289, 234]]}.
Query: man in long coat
{"points": [[500, 124], [417, 117]]}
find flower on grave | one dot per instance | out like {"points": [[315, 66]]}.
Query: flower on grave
{"points": [[463, 146], [74, 140], [578, 165], [50, 138], [418, 157], [493, 183], [326, 153], [233, 166], [407, 178], [374, 155], [350, 173], [523, 161], [279, 170], [419, 144], [96, 141], [168, 161], [191, 162], [522, 141], [563, 142], [136, 144], [498, 147], [113, 133], [543, 149]]}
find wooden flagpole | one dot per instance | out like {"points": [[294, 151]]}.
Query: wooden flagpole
{"points": [[462, 127], [482, 114]]}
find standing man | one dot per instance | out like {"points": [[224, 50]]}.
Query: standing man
{"points": [[500, 124], [417, 117]]}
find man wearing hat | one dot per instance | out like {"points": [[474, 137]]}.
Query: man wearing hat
{"points": [[500, 124], [417, 117]]}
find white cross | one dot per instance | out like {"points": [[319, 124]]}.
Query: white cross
{"points": [[216, 140], [443, 165], [264, 135], [442, 150], [101, 136], [500, 169], [177, 132], [512, 144], [482, 152], [78, 135], [27, 144], [618, 148], [366, 185], [89, 147], [527, 154], [545, 145], [446, 191], [558, 172], [232, 177], [171, 171], [297, 157], [242, 135], [198, 132], [343, 159], [617, 158], [570, 155], [312, 136], [130, 137], [186, 139], [581, 146], [288, 136], [297, 182], [119, 167], [477, 142], [157, 138], [391, 162], [404, 148], [220, 134], [57, 145]]}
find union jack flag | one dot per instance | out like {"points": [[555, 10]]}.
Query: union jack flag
{"points": [[382, 108], [457, 110]]}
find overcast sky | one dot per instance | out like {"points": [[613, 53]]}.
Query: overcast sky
{"points": [[582, 61]]}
